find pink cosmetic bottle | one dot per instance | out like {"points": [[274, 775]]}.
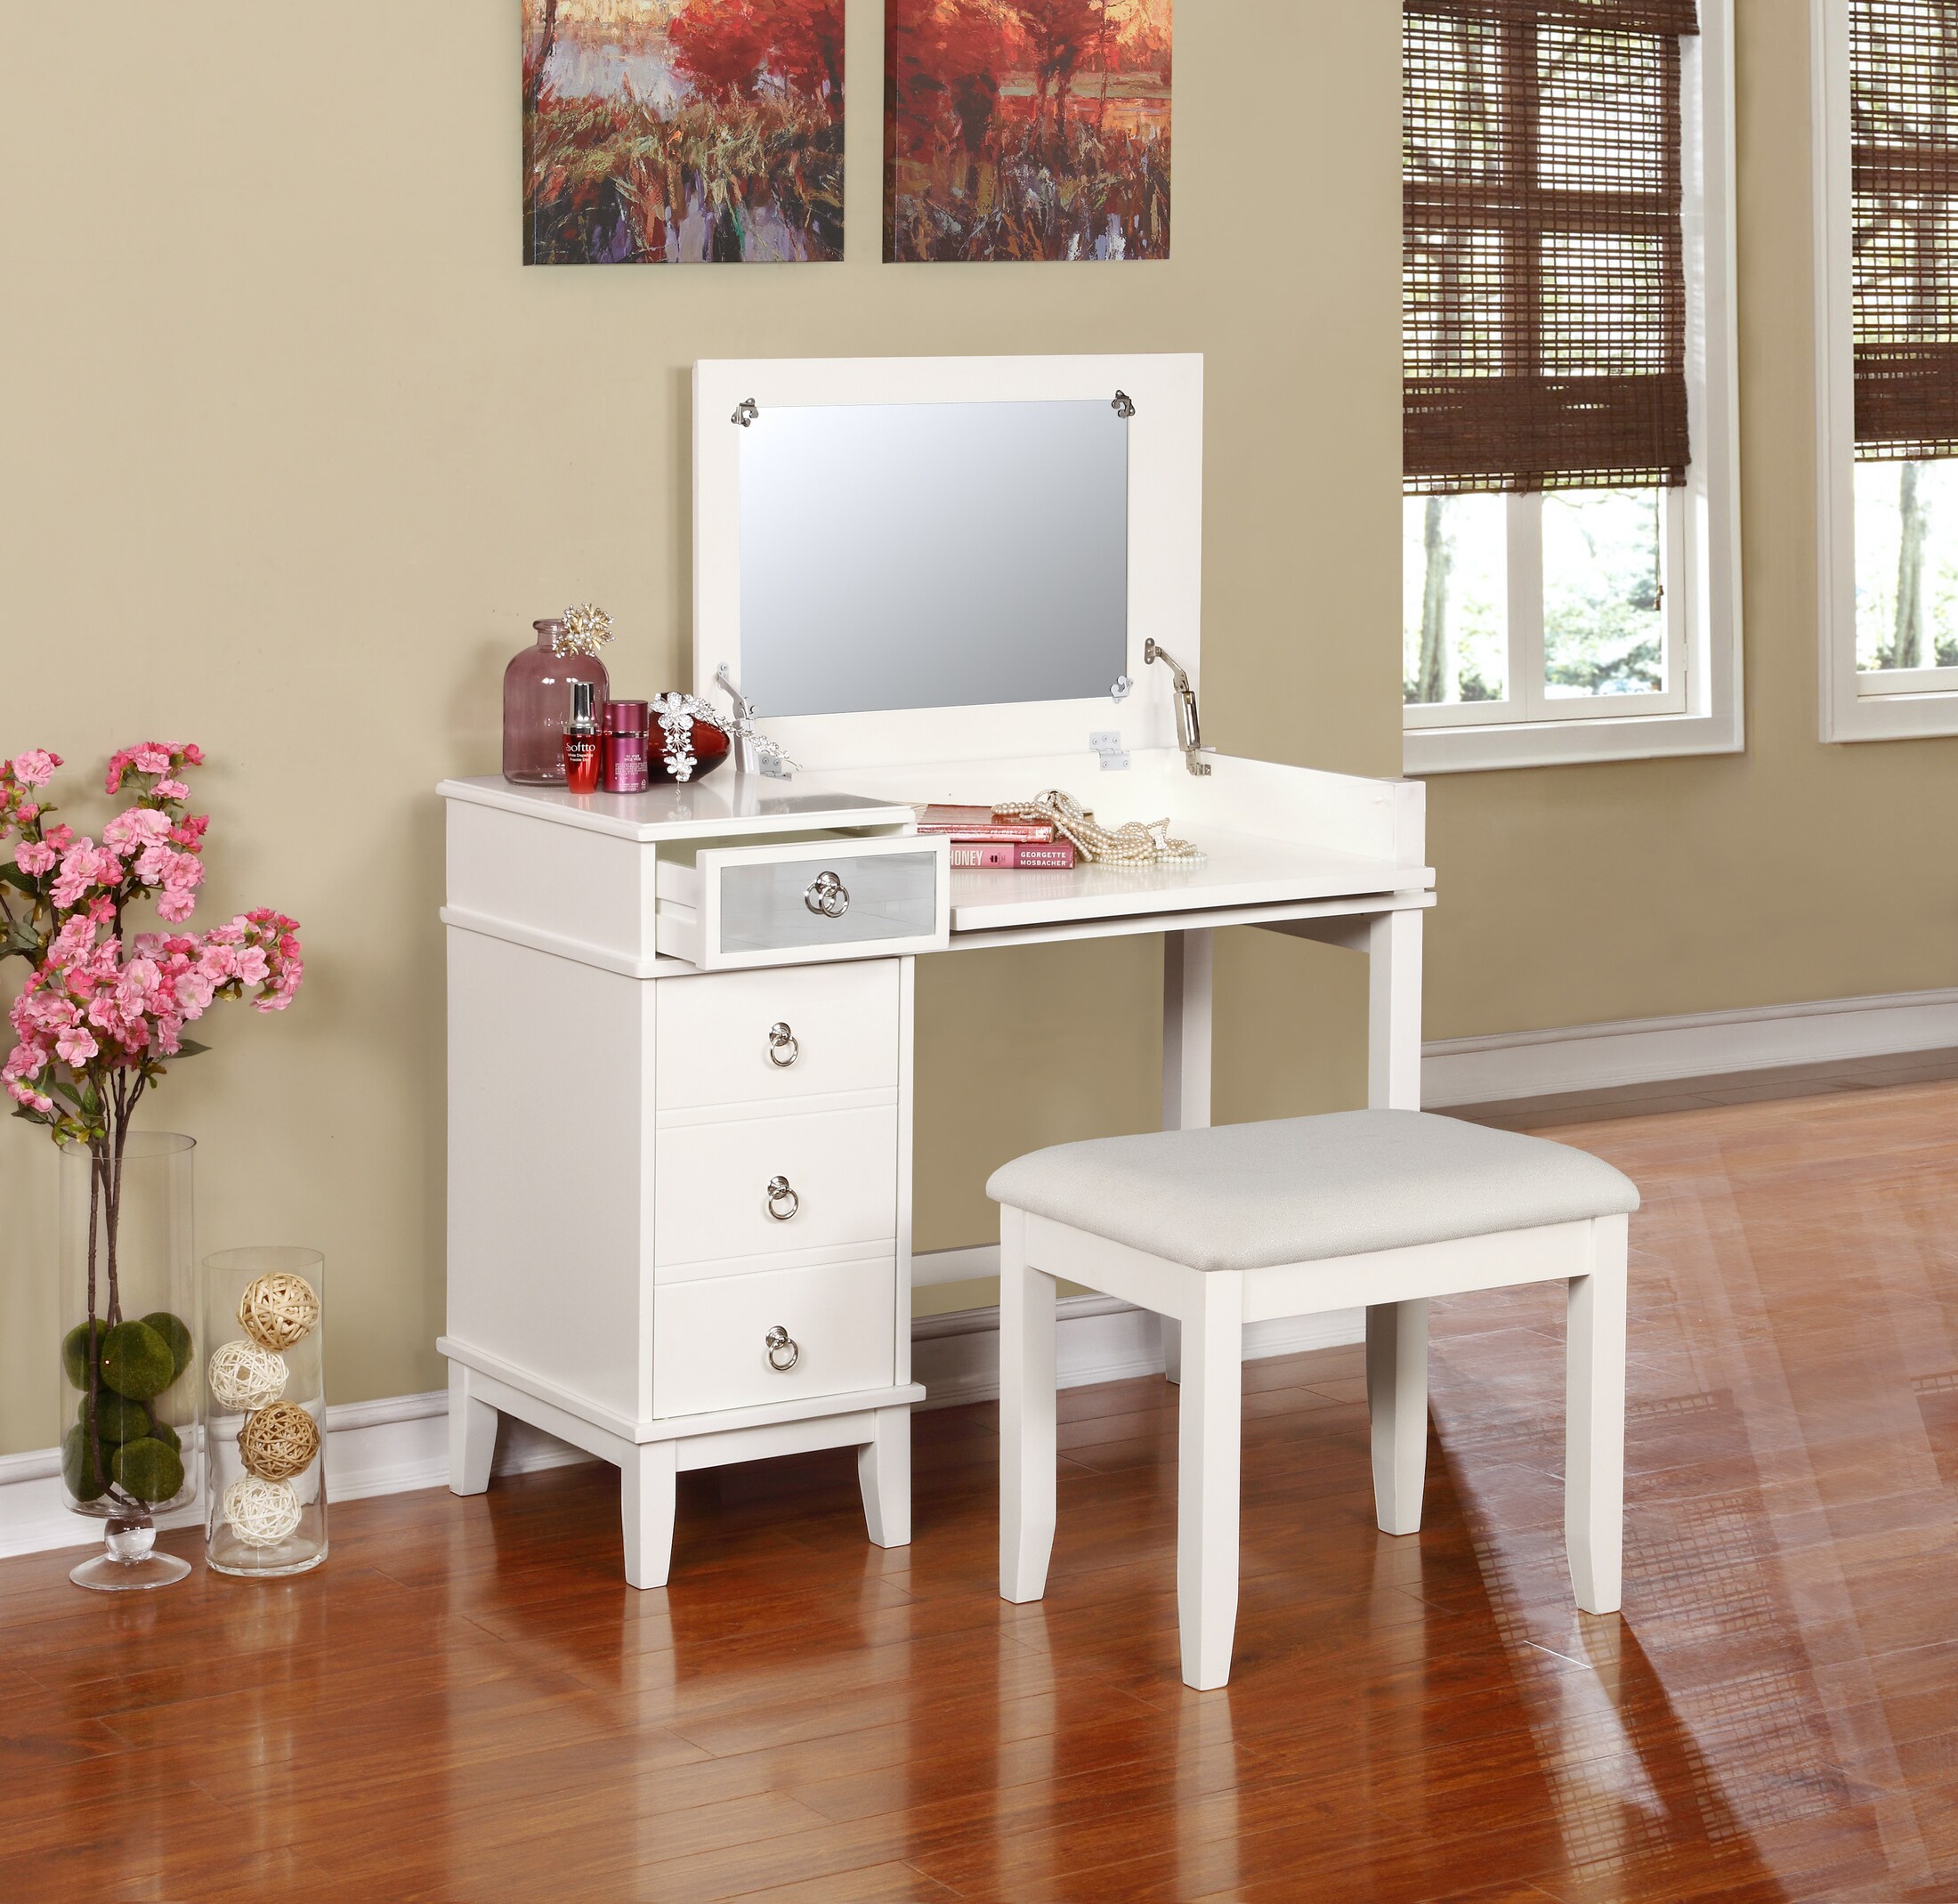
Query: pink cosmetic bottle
{"points": [[626, 725]]}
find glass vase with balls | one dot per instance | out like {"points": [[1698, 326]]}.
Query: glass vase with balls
{"points": [[264, 1414], [98, 1021]]}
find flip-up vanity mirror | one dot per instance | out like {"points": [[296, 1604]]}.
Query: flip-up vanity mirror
{"points": [[935, 580]]}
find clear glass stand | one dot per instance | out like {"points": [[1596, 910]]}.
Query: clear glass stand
{"points": [[129, 1560]]}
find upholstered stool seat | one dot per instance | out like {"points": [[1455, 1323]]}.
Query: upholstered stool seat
{"points": [[1242, 1223], [1243, 1196]]}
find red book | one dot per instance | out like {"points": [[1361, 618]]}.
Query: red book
{"points": [[979, 822], [1025, 855]]}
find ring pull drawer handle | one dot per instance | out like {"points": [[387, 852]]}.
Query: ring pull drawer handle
{"points": [[780, 1345], [783, 1050], [782, 1201], [828, 896]]}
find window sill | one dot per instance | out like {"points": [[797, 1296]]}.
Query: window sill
{"points": [[1487, 747], [1863, 716]]}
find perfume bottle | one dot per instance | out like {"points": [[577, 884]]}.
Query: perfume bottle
{"points": [[624, 768], [537, 702], [582, 746]]}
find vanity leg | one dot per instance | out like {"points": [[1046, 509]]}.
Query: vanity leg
{"points": [[1186, 969], [1394, 1012], [883, 1473], [647, 1480], [471, 1436]]}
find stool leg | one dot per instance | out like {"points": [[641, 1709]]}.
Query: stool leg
{"points": [[1209, 1430], [1594, 1422], [1172, 1348], [1396, 1398], [1028, 1454]]}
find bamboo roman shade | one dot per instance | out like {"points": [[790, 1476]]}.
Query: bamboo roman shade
{"points": [[1904, 115], [1543, 300]]}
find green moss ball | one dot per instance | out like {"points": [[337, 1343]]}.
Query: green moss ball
{"points": [[163, 1433], [176, 1333], [80, 1348], [84, 1479], [148, 1469], [136, 1361], [122, 1420]]}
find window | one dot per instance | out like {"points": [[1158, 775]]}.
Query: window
{"points": [[1887, 249], [1569, 540]]}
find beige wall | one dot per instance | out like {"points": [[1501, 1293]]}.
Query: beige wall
{"points": [[1792, 871], [295, 449]]}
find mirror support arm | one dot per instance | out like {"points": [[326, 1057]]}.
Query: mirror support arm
{"points": [[1189, 733], [745, 760]]}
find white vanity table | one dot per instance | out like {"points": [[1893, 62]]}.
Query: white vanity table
{"points": [[694, 1248]]}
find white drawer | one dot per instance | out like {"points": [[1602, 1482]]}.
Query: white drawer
{"points": [[710, 1340], [712, 1188], [716, 1040], [811, 900]]}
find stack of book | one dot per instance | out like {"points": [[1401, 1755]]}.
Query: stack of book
{"points": [[981, 838]]}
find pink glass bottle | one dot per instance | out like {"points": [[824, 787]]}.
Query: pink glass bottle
{"points": [[537, 706]]}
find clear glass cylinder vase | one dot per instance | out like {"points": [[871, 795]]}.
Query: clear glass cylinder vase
{"points": [[128, 1354], [264, 1414]]}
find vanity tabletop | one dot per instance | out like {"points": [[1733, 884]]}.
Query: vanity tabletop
{"points": [[727, 803], [1237, 869]]}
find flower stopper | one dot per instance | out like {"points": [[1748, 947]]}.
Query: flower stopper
{"points": [[587, 627]]}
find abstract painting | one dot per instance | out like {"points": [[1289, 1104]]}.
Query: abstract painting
{"points": [[683, 132], [1026, 129]]}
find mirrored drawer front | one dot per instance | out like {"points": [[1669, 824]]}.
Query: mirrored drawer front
{"points": [[776, 1035], [741, 1340], [764, 1187], [814, 900]]}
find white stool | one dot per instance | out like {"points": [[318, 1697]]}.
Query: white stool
{"points": [[1247, 1223]]}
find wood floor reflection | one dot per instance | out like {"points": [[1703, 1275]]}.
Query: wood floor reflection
{"points": [[468, 1703]]}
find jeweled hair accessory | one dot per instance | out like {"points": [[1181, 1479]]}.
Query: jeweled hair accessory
{"points": [[676, 714], [587, 627]]}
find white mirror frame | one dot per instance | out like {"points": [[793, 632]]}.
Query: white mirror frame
{"points": [[1165, 544]]}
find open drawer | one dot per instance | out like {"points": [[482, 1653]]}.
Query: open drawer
{"points": [[797, 902]]}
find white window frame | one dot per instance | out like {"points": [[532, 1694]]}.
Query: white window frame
{"points": [[1701, 711], [1878, 705]]}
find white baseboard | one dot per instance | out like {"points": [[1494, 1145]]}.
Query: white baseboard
{"points": [[379, 1448], [401, 1444], [1644, 1051]]}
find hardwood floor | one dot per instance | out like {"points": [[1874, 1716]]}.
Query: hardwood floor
{"points": [[468, 1703]]}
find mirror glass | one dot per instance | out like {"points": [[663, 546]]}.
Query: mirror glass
{"points": [[933, 556]]}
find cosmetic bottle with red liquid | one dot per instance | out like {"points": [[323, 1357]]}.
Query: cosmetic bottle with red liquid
{"points": [[583, 746]]}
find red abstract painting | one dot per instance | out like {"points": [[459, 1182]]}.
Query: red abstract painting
{"points": [[1026, 129], [683, 132]]}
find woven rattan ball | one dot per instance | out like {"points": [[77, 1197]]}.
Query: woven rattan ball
{"points": [[243, 1375], [277, 1310], [277, 1441], [261, 1513]]}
